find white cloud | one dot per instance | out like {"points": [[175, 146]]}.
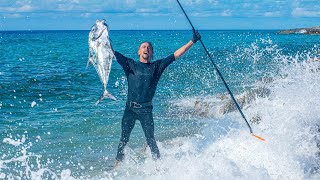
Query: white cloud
{"points": [[203, 14], [146, 10], [192, 2], [272, 14], [204, 8], [301, 12], [213, 2], [65, 7], [246, 5], [23, 2], [226, 13], [86, 15], [130, 2], [13, 15], [23, 8]]}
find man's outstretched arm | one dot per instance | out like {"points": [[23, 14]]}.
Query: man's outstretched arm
{"points": [[181, 51]]}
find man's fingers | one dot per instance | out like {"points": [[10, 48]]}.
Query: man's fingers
{"points": [[196, 36]]}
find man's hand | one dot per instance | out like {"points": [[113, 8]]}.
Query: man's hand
{"points": [[196, 36]]}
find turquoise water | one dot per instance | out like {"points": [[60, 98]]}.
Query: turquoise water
{"points": [[49, 120]]}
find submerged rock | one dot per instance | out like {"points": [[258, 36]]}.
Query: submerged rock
{"points": [[217, 105], [312, 30], [245, 99]]}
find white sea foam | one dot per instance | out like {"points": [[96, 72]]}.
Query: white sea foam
{"points": [[226, 150], [25, 164], [33, 103], [14, 142]]}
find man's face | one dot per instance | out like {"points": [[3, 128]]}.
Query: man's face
{"points": [[145, 51]]}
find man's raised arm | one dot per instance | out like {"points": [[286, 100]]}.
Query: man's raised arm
{"points": [[178, 53]]}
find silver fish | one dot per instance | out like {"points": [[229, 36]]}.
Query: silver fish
{"points": [[101, 54]]}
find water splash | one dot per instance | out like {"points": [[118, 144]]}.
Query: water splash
{"points": [[225, 150], [20, 163], [288, 118]]}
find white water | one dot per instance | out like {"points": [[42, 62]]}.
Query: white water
{"points": [[224, 149]]}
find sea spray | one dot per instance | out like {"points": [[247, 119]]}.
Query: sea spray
{"points": [[288, 121], [20, 163], [195, 143]]}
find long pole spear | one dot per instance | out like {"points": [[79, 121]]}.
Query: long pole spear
{"points": [[224, 82]]}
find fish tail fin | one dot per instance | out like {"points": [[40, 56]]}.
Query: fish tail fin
{"points": [[104, 95], [111, 97]]}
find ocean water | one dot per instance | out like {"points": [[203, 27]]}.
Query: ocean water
{"points": [[51, 129]]}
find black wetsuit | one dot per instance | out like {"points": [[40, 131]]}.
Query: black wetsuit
{"points": [[142, 83]]}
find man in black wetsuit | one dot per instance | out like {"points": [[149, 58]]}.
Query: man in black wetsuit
{"points": [[143, 77]]}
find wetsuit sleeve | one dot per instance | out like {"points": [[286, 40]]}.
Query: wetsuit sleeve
{"points": [[162, 64], [124, 62]]}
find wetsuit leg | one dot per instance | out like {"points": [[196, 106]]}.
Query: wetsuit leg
{"points": [[128, 122], [146, 120]]}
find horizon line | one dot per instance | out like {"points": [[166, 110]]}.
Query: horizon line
{"points": [[11, 30]]}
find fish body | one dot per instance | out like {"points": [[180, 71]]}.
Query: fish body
{"points": [[101, 54]]}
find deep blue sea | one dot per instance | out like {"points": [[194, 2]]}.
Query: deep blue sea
{"points": [[52, 129]]}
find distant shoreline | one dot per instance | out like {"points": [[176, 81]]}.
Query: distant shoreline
{"points": [[311, 31]]}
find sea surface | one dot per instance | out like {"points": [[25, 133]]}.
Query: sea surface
{"points": [[52, 129]]}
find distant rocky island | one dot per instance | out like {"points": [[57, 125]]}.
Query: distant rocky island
{"points": [[312, 30]]}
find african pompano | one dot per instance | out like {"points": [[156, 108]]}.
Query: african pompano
{"points": [[101, 54]]}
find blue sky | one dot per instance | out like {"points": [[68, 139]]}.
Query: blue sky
{"points": [[158, 14]]}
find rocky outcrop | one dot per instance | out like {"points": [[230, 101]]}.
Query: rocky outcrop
{"points": [[245, 99], [312, 30]]}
